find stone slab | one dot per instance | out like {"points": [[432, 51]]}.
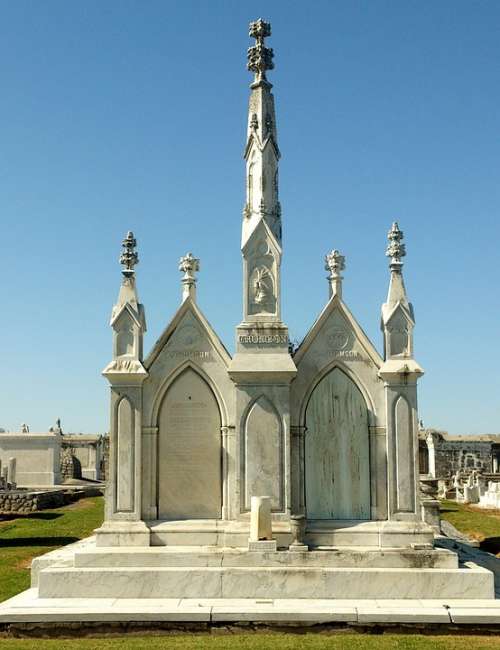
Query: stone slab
{"points": [[391, 614], [27, 607], [264, 582], [263, 545], [475, 615], [212, 556], [311, 614]]}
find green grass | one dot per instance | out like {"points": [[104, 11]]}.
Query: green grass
{"points": [[261, 641], [23, 538], [478, 523]]}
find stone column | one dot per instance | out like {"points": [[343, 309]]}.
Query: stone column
{"points": [[225, 472], [297, 469], [123, 525], [400, 373]]}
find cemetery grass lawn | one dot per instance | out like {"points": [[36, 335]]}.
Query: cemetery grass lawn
{"points": [[24, 537], [478, 523], [260, 641]]}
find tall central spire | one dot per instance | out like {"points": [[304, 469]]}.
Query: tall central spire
{"points": [[261, 231], [261, 151]]}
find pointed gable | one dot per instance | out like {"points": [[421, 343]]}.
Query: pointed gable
{"points": [[337, 334], [188, 334]]}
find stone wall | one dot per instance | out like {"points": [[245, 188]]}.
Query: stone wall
{"points": [[24, 502], [442, 455], [27, 501]]}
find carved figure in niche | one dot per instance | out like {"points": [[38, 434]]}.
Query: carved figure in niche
{"points": [[262, 286]]}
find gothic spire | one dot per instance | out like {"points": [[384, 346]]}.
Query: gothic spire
{"points": [[261, 152], [129, 259], [396, 250]]}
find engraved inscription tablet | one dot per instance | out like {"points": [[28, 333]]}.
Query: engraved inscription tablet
{"points": [[337, 450], [189, 451]]}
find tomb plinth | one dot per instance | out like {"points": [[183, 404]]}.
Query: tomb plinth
{"points": [[326, 431]]}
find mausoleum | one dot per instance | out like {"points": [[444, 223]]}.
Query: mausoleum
{"points": [[273, 472]]}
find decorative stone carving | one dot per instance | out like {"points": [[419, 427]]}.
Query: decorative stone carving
{"points": [[189, 265], [395, 249], [335, 263], [298, 527], [129, 257], [262, 286], [260, 57]]}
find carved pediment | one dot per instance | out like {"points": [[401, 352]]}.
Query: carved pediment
{"points": [[189, 336], [337, 335]]}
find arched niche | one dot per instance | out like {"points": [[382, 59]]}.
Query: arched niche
{"points": [[263, 454], [125, 454], [189, 451], [337, 450], [405, 460]]}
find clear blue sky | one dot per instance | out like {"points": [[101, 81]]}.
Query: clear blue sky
{"points": [[131, 115]]}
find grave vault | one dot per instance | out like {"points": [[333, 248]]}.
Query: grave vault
{"points": [[327, 431]]}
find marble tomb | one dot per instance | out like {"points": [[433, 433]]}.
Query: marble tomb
{"points": [[327, 432]]}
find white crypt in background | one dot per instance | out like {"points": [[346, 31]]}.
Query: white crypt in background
{"points": [[274, 473]]}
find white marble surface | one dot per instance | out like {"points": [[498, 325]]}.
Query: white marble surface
{"points": [[337, 459], [264, 582], [260, 519], [28, 607], [190, 451]]}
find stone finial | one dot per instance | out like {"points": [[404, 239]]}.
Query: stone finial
{"points": [[395, 249], [189, 265], [335, 263], [260, 57], [129, 257]]}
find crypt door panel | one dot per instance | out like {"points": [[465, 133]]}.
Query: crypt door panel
{"points": [[190, 453], [337, 465]]}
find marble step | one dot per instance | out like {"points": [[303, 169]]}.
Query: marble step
{"points": [[27, 608], [216, 557], [264, 582]]}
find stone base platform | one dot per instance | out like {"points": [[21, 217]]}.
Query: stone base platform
{"points": [[454, 614], [217, 532], [204, 572]]}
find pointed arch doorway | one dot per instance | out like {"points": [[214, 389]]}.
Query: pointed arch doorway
{"points": [[337, 450], [189, 451]]}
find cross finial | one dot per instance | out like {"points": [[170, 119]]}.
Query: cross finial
{"points": [[189, 265], [129, 257], [335, 263], [260, 57], [395, 249]]}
